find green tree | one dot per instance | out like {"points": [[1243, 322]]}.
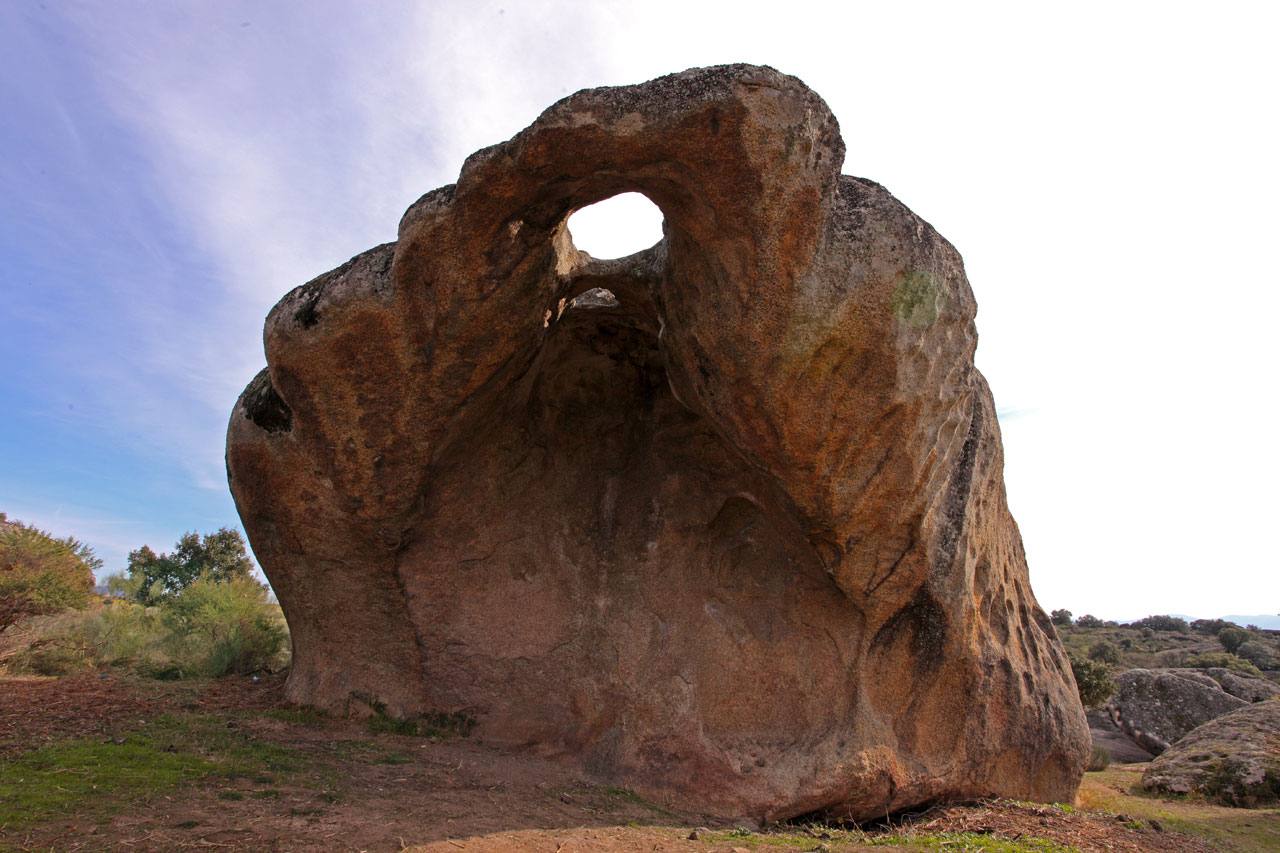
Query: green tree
{"points": [[1061, 617], [1089, 621], [1233, 637], [40, 573], [1210, 626], [220, 557], [1163, 623]]}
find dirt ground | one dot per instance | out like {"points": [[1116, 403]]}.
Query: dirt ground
{"points": [[329, 784]]}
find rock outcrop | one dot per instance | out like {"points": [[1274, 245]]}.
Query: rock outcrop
{"points": [[1250, 688], [735, 534], [1157, 707], [1234, 759]]}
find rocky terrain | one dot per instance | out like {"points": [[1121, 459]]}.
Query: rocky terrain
{"points": [[1234, 757], [1207, 730]]}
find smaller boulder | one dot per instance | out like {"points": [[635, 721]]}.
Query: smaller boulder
{"points": [[1156, 708], [1233, 759]]}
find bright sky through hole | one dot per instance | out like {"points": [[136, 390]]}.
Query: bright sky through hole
{"points": [[616, 227]]}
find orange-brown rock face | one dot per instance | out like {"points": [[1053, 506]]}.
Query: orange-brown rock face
{"points": [[739, 539]]}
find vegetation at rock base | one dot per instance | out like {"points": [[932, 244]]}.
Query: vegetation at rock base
{"points": [[40, 573]]}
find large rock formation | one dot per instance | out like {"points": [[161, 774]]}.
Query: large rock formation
{"points": [[1234, 759], [738, 535], [1157, 707]]}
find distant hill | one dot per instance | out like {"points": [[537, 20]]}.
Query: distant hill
{"points": [[1271, 620]]}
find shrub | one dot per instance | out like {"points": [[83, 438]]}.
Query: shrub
{"points": [[1211, 626], [1259, 654], [1104, 652], [219, 628], [1100, 759], [1163, 623], [209, 629], [40, 573], [1232, 638], [1088, 621], [1209, 660], [1093, 681], [1061, 617], [1147, 633]]}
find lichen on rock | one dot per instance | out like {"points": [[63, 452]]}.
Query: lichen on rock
{"points": [[737, 535]]}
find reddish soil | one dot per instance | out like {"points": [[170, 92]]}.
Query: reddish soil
{"points": [[391, 792], [35, 711]]}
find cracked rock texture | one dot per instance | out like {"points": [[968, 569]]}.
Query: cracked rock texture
{"points": [[735, 536], [1157, 707]]}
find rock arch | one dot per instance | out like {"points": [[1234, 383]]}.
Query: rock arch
{"points": [[718, 541]]}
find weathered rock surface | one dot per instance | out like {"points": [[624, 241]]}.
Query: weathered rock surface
{"points": [[1106, 734], [1234, 758], [1250, 688], [740, 538], [1157, 707]]}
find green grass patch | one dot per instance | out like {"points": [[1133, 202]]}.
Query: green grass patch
{"points": [[90, 776], [1116, 791], [65, 778]]}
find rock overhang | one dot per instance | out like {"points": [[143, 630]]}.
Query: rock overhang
{"points": [[772, 462]]}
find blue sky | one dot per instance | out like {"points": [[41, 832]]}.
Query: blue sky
{"points": [[167, 171]]}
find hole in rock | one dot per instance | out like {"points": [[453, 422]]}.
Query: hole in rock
{"points": [[596, 297], [616, 227]]}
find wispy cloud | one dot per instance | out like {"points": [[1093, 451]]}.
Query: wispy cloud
{"points": [[168, 171]]}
